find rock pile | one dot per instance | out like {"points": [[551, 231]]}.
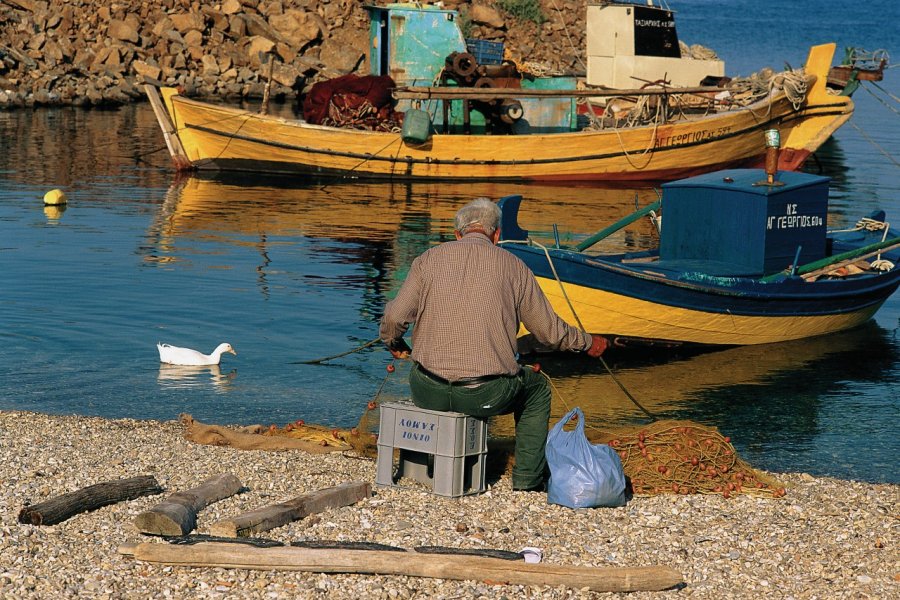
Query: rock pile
{"points": [[93, 52]]}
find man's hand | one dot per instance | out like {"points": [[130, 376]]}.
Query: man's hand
{"points": [[598, 346], [399, 348]]}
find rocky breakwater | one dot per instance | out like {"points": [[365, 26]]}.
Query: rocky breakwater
{"points": [[91, 52], [95, 52]]}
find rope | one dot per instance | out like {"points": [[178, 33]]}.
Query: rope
{"points": [[874, 143], [581, 326], [892, 97], [869, 224], [333, 356], [575, 51], [866, 223]]}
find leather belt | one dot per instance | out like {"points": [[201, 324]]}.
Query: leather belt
{"points": [[460, 382]]}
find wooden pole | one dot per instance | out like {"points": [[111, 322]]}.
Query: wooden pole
{"points": [[276, 515], [177, 514], [624, 222], [811, 275], [170, 132], [264, 109], [378, 562], [884, 246], [492, 93], [60, 508]]}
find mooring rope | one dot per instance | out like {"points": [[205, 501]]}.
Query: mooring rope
{"points": [[581, 326]]}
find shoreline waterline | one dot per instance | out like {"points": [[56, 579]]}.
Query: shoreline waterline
{"points": [[826, 538]]}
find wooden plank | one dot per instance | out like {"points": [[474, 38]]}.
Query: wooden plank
{"points": [[177, 515], [170, 133], [453, 93], [375, 562], [59, 508], [276, 515]]}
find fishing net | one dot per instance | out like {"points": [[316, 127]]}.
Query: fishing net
{"points": [[664, 457], [684, 457], [318, 434]]}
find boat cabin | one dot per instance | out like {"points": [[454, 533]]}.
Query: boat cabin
{"points": [[423, 45], [734, 222], [633, 43]]}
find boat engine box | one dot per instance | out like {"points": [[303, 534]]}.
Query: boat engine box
{"points": [[734, 217]]}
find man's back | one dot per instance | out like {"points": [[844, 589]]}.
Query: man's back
{"points": [[467, 298]]}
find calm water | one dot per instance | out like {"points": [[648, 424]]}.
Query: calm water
{"points": [[288, 271]]}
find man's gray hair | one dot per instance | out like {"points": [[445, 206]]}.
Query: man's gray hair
{"points": [[481, 212]]}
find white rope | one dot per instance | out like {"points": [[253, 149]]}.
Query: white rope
{"points": [[869, 224]]}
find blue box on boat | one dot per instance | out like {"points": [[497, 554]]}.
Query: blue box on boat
{"points": [[485, 52], [734, 218]]}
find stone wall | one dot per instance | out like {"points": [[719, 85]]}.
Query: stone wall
{"points": [[93, 52]]}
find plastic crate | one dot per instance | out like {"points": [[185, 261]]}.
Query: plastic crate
{"points": [[431, 431], [485, 52], [445, 451]]}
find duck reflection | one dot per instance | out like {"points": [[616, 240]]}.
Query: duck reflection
{"points": [[182, 377]]}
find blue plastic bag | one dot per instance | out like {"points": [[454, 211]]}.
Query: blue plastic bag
{"points": [[582, 475]]}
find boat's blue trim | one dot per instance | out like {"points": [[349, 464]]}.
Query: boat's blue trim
{"points": [[703, 292]]}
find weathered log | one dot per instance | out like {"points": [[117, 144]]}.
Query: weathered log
{"points": [[59, 508], [177, 514], [375, 562], [275, 515]]}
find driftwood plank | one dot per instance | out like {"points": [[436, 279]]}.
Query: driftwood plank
{"points": [[59, 508], [276, 515], [177, 514], [375, 562]]}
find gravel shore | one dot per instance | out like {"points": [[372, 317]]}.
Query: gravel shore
{"points": [[825, 539]]}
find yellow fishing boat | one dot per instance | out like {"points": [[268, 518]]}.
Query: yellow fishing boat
{"points": [[508, 126]]}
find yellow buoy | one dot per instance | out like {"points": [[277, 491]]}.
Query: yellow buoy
{"points": [[55, 198]]}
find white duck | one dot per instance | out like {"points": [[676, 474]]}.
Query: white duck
{"points": [[174, 355]]}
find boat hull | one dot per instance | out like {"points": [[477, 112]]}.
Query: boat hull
{"points": [[209, 136], [220, 138], [645, 302], [619, 315]]}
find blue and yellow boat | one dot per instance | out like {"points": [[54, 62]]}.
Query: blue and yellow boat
{"points": [[743, 258]]}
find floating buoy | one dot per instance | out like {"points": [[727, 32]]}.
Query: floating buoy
{"points": [[55, 197]]}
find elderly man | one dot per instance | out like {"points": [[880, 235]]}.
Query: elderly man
{"points": [[467, 298]]}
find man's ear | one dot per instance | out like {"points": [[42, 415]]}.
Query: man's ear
{"points": [[457, 233], [496, 237]]}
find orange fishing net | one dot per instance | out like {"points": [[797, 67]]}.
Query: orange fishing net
{"points": [[664, 457], [684, 457]]}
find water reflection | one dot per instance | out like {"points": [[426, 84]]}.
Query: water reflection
{"points": [[53, 213], [180, 377], [67, 146], [769, 393], [381, 226]]}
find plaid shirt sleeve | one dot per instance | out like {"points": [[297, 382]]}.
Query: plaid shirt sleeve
{"points": [[401, 312], [540, 319]]}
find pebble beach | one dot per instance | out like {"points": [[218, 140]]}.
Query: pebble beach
{"points": [[825, 538]]}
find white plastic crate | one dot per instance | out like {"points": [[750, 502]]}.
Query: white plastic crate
{"points": [[443, 450]]}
